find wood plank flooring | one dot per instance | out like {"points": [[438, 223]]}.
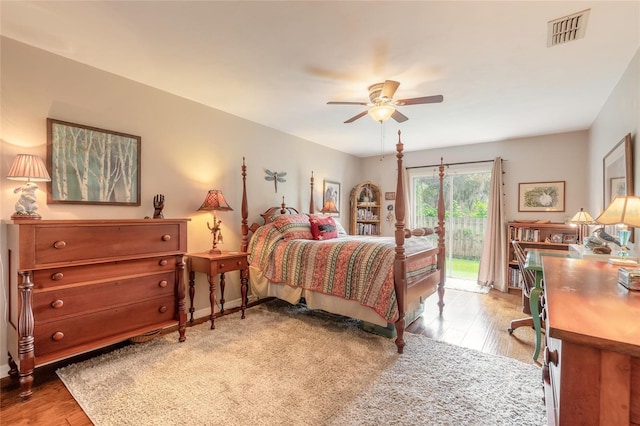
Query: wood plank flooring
{"points": [[472, 320]]}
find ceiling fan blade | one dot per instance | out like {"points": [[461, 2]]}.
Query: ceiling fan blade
{"points": [[399, 117], [424, 100], [345, 103], [352, 119], [389, 89]]}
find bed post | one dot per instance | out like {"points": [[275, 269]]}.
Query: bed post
{"points": [[311, 206], [441, 247], [400, 262], [244, 242]]}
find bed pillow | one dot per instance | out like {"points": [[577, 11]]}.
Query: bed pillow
{"points": [[323, 227], [294, 226], [340, 229]]}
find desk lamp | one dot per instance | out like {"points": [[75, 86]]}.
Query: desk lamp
{"points": [[582, 219], [624, 212], [213, 202]]}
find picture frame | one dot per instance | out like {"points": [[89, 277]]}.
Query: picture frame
{"points": [[617, 171], [617, 175], [556, 238], [569, 238], [89, 165], [541, 196], [389, 196], [331, 191]]}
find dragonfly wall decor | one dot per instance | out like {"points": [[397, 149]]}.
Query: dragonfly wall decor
{"points": [[275, 177]]}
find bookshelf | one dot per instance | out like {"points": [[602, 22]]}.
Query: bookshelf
{"points": [[535, 235], [365, 209]]}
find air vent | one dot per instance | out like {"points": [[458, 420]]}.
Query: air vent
{"points": [[567, 28]]}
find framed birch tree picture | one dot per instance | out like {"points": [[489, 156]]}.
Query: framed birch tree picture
{"points": [[92, 166]]}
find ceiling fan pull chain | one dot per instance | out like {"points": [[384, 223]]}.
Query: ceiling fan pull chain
{"points": [[381, 140]]}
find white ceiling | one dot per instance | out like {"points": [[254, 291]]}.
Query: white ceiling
{"points": [[278, 63]]}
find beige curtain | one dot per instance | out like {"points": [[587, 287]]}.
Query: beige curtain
{"points": [[494, 249], [408, 219]]}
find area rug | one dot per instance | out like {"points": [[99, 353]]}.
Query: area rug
{"points": [[285, 365], [465, 285]]}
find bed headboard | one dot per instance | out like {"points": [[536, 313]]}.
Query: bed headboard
{"points": [[266, 216], [270, 214]]}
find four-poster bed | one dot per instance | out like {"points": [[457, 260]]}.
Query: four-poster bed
{"points": [[375, 279]]}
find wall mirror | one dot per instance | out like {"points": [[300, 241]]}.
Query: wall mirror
{"points": [[618, 174]]}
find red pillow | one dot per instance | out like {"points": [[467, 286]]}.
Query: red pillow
{"points": [[323, 227]]}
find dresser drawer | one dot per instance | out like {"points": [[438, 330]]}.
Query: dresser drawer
{"points": [[119, 323], [61, 276], [73, 300], [83, 242], [231, 265]]}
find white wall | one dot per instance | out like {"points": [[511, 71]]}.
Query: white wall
{"points": [[187, 149], [557, 157], [619, 116]]}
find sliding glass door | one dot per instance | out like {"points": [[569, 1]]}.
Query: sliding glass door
{"points": [[466, 194]]}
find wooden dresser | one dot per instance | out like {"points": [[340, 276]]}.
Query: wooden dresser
{"points": [[78, 285], [591, 372]]}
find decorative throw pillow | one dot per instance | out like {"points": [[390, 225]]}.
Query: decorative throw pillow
{"points": [[323, 227], [294, 226]]}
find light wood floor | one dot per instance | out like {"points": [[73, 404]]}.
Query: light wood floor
{"points": [[472, 320]]}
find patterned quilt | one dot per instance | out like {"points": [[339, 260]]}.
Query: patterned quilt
{"points": [[352, 267]]}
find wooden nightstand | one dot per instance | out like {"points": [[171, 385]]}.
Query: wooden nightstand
{"points": [[213, 264]]}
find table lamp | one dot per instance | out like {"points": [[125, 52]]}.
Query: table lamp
{"points": [[29, 168], [582, 219], [329, 207], [213, 202], [624, 212]]}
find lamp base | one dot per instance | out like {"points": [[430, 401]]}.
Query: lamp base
{"points": [[214, 251], [19, 216]]}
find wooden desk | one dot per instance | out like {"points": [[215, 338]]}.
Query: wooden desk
{"points": [[213, 264], [592, 358], [534, 262]]}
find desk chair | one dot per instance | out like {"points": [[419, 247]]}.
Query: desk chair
{"points": [[528, 284]]}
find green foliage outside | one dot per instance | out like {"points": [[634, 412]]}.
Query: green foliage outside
{"points": [[470, 195], [465, 268]]}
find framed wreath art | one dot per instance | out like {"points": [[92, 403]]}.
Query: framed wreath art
{"points": [[541, 197]]}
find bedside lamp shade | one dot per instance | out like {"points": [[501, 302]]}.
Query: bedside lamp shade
{"points": [[214, 201], [329, 207], [29, 168]]}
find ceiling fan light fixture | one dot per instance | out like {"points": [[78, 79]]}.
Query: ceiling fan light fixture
{"points": [[381, 112]]}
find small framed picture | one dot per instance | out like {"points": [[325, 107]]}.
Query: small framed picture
{"points": [[569, 238], [390, 196], [556, 238]]}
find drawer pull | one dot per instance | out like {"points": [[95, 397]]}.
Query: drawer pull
{"points": [[59, 244], [162, 309], [57, 304], [163, 283], [239, 262], [550, 357], [163, 262], [57, 276], [546, 376], [57, 336], [221, 265], [166, 237]]}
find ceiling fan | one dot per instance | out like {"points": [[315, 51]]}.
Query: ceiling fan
{"points": [[382, 104]]}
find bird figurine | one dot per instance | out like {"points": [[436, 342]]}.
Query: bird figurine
{"points": [[601, 238]]}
